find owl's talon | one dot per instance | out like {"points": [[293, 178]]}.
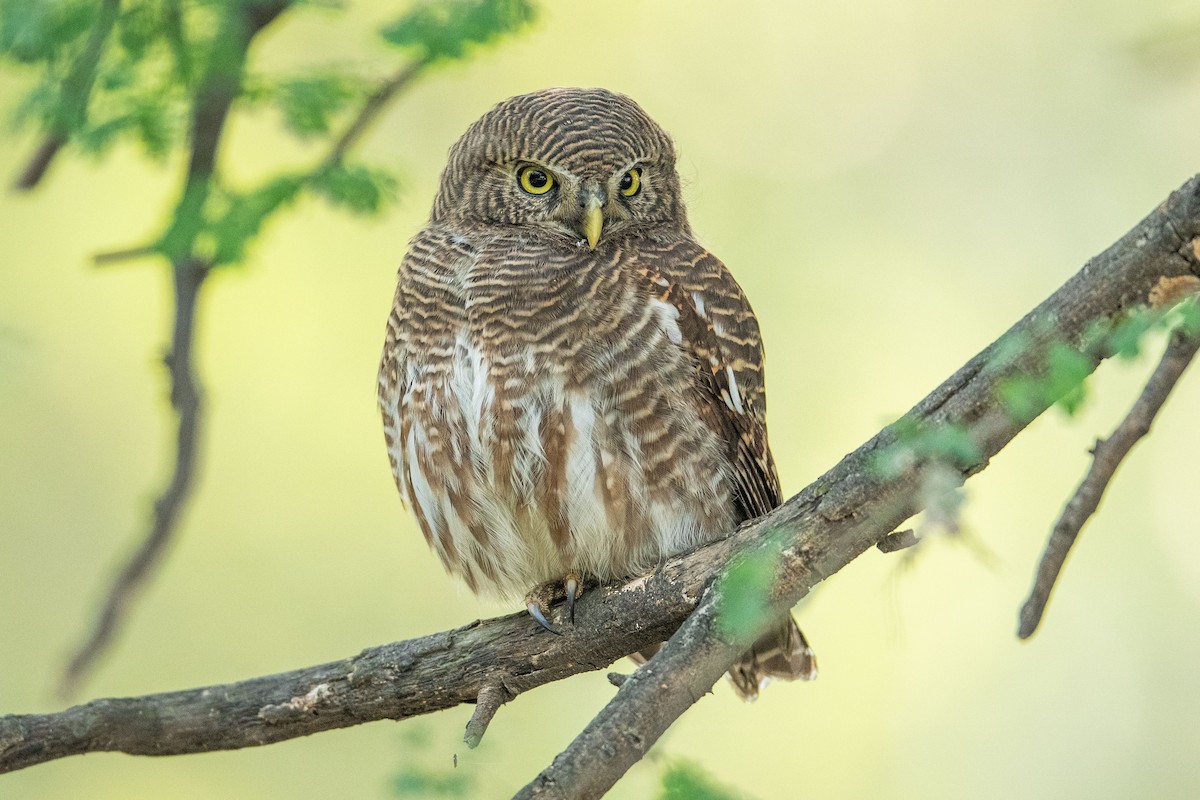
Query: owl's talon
{"points": [[535, 611], [574, 592]]}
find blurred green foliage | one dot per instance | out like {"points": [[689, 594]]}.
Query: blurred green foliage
{"points": [[684, 780], [1062, 369], [745, 590], [1057, 378], [451, 29], [417, 779], [134, 72]]}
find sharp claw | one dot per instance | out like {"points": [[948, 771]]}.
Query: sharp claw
{"points": [[572, 587], [536, 612]]}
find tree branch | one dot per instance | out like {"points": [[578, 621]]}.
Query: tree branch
{"points": [[186, 399], [217, 90], [393, 681], [372, 108], [1106, 457], [841, 515]]}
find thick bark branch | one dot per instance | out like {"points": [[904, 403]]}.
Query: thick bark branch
{"points": [[813, 535]]}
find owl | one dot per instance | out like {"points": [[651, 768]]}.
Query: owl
{"points": [[572, 386]]}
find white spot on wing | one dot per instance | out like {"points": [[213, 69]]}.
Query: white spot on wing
{"points": [[734, 394], [669, 319]]}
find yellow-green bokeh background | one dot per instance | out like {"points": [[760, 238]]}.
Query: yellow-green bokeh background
{"points": [[893, 182]]}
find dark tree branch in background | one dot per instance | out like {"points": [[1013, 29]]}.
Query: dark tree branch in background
{"points": [[76, 90], [1106, 457], [844, 513], [115, 67], [217, 90], [186, 399]]}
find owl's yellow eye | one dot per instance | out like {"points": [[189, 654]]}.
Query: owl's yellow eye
{"points": [[631, 183], [535, 180]]}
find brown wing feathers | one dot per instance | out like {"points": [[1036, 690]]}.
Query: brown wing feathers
{"points": [[725, 404]]}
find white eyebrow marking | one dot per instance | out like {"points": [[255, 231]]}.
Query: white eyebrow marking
{"points": [[734, 394]]}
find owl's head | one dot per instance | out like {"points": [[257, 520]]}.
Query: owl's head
{"points": [[582, 165]]}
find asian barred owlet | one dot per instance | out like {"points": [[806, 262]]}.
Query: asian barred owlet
{"points": [[571, 386]]}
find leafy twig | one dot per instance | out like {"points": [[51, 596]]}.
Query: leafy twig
{"points": [[1106, 457], [76, 90]]}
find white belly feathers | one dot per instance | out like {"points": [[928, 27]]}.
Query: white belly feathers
{"points": [[518, 484]]}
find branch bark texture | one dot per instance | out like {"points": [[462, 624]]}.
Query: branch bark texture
{"points": [[845, 512]]}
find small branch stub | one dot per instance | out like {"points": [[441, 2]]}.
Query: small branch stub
{"points": [[491, 697], [898, 540]]}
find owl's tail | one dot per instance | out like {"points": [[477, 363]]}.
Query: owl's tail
{"points": [[781, 652]]}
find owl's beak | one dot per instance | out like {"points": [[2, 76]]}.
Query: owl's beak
{"points": [[593, 218]]}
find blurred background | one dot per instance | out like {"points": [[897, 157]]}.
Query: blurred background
{"points": [[894, 182]]}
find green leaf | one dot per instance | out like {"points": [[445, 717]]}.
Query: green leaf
{"points": [[450, 28], [1008, 349], [245, 215], [1125, 339], [1189, 316], [416, 778], [307, 104], [1067, 369], [358, 188], [1021, 396], [423, 783], [684, 780], [745, 590], [42, 30], [951, 443], [139, 27], [155, 128]]}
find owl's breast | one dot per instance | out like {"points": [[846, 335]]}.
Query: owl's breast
{"points": [[553, 429]]}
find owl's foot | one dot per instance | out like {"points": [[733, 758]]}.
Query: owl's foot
{"points": [[542, 596]]}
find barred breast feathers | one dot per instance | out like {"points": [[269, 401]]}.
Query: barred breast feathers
{"points": [[569, 443]]}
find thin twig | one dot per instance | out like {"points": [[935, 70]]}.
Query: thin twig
{"points": [[1106, 457], [372, 108], [114, 256], [217, 90], [76, 91]]}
